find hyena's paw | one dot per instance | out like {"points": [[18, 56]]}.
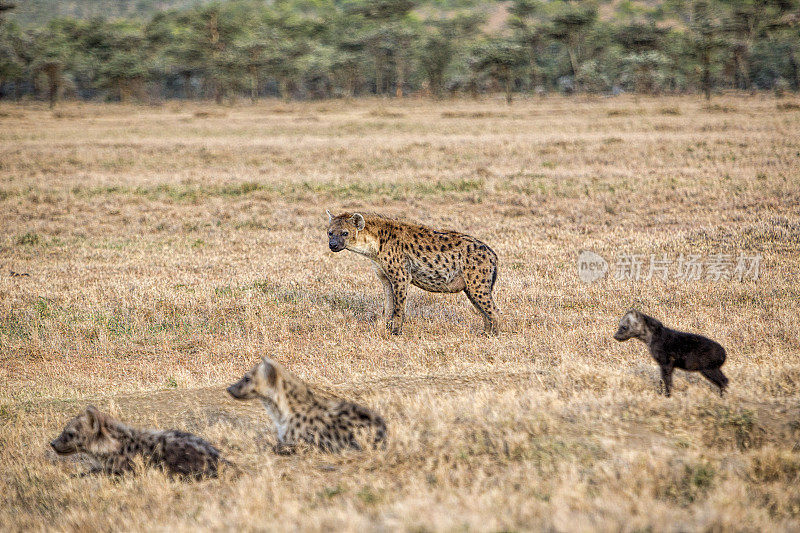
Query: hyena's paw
{"points": [[284, 449], [491, 331], [393, 328]]}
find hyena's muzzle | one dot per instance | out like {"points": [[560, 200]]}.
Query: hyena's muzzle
{"points": [[621, 335], [62, 446], [336, 243], [242, 389]]}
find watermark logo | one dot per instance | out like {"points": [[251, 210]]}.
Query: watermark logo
{"points": [[591, 266], [685, 267]]}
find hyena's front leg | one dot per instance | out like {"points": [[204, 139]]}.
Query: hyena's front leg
{"points": [[388, 304], [284, 449], [666, 377], [400, 280], [287, 441]]}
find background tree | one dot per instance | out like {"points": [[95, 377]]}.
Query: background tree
{"points": [[384, 31], [570, 24], [329, 48], [526, 19], [11, 65], [440, 42], [53, 52], [743, 23], [705, 40], [500, 58]]}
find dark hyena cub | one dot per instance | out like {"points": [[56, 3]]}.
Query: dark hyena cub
{"points": [[113, 446], [675, 349], [303, 414]]}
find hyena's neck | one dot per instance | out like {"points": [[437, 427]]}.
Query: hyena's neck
{"points": [[273, 410], [367, 242], [121, 439], [653, 329], [298, 399]]}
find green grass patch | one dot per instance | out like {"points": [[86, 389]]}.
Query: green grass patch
{"points": [[29, 239], [688, 483]]}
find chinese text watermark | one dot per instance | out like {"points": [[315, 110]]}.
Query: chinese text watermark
{"points": [[684, 267]]}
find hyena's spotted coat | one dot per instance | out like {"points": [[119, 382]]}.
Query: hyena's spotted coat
{"points": [[303, 414], [113, 446], [437, 261]]}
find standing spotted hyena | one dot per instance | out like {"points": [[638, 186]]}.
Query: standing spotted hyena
{"points": [[113, 447], [436, 261], [303, 414]]}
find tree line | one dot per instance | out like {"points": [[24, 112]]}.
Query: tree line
{"points": [[304, 49]]}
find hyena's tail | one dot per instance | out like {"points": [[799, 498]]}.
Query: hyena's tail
{"points": [[375, 422], [494, 267], [235, 469], [380, 432]]}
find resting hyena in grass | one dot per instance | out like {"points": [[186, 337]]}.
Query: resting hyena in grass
{"points": [[113, 447], [675, 349], [436, 261], [302, 414]]}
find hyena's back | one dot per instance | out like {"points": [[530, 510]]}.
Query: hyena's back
{"points": [[185, 454], [339, 425], [359, 416]]}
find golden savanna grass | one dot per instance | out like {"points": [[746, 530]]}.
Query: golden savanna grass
{"points": [[166, 249]]}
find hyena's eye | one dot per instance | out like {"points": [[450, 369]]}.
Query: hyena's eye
{"points": [[345, 234]]}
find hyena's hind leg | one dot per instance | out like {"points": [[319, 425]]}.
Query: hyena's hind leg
{"points": [[715, 376], [479, 292]]}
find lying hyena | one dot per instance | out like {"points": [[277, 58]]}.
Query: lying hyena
{"points": [[113, 447], [675, 349], [436, 261], [300, 413]]}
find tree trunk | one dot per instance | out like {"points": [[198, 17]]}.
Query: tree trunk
{"points": [[188, 93], [706, 62], [742, 72], [400, 77], [283, 85], [218, 92], [795, 63], [53, 73], [508, 80], [378, 77], [573, 58], [437, 85], [534, 77], [253, 84]]}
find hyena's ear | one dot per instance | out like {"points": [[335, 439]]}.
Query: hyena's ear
{"points": [[270, 372], [95, 419], [636, 317], [358, 220], [330, 217]]}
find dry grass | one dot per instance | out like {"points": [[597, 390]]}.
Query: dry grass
{"points": [[167, 248]]}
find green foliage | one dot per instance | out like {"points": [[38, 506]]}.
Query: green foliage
{"points": [[330, 48]]}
